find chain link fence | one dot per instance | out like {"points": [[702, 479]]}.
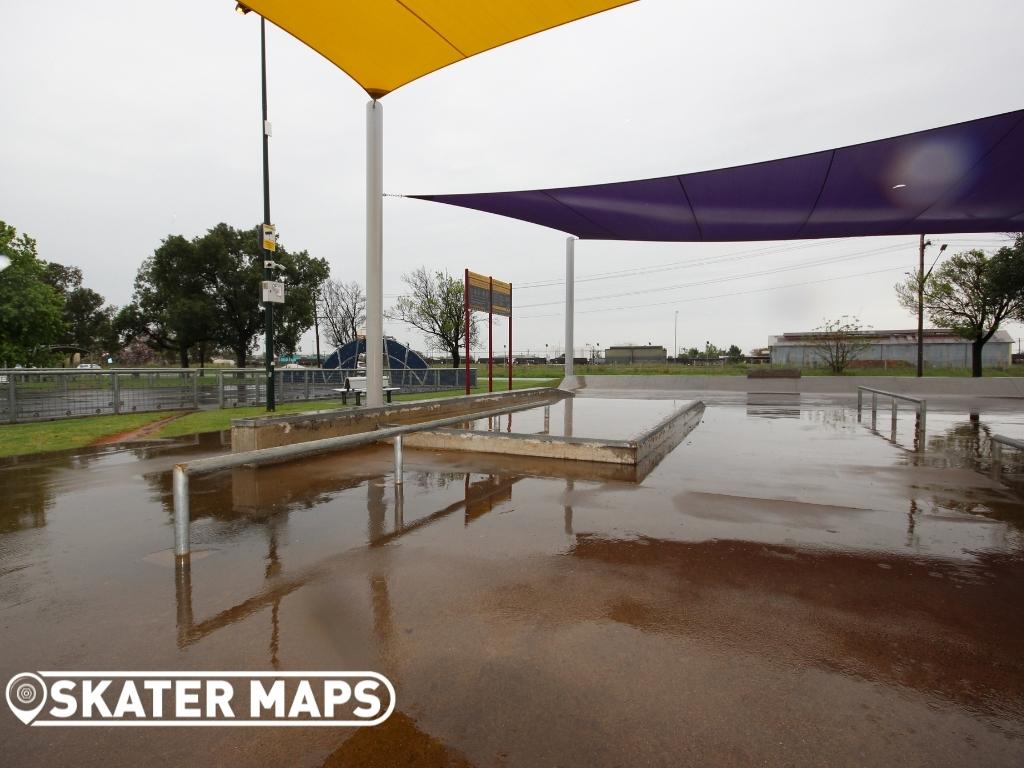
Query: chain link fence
{"points": [[38, 394]]}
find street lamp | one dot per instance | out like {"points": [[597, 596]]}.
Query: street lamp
{"points": [[922, 276]]}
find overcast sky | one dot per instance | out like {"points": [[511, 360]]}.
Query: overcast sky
{"points": [[125, 121]]}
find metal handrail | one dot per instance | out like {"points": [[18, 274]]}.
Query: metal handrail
{"points": [[282, 453], [920, 404], [997, 442]]}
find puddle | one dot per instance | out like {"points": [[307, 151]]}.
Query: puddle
{"points": [[611, 419], [784, 584]]}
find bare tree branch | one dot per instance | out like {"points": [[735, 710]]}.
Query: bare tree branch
{"points": [[434, 306], [342, 307]]}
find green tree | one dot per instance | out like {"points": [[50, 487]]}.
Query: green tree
{"points": [[30, 308], [172, 307], [88, 321], [62, 277], [434, 306], [734, 353], [973, 294], [234, 259]]}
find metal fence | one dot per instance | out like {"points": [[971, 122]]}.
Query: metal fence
{"points": [[39, 394]]}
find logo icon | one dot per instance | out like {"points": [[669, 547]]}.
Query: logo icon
{"points": [[26, 696]]}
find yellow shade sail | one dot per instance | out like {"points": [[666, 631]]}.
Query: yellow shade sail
{"points": [[384, 44]]}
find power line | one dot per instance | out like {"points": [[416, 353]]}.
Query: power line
{"points": [[723, 295], [986, 242], [730, 278], [673, 265]]}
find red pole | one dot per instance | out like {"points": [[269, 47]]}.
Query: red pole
{"points": [[490, 335], [510, 340], [465, 299]]}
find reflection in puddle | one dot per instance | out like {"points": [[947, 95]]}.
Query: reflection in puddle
{"points": [[616, 419]]}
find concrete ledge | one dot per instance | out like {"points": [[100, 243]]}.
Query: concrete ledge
{"points": [[515, 444], [642, 453], [252, 434], [1004, 386]]}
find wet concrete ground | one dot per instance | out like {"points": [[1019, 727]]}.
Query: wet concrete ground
{"points": [[788, 587]]}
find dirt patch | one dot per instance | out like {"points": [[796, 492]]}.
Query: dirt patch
{"points": [[139, 433]]}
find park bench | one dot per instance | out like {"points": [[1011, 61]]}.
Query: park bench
{"points": [[357, 385]]}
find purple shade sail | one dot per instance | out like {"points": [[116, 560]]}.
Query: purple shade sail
{"points": [[967, 177]]}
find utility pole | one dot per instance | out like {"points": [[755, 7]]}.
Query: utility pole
{"points": [[675, 338], [920, 309], [268, 254], [922, 276]]}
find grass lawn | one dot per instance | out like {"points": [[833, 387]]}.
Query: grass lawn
{"points": [[40, 437]]}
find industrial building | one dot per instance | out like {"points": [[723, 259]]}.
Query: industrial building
{"points": [[942, 349]]}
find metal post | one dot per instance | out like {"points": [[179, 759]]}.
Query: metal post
{"points": [[923, 410], [569, 302], [895, 406], [268, 274], [305, 380], [465, 301], [399, 507], [195, 389], [183, 598], [920, 309], [490, 334], [115, 391], [398, 459], [874, 408], [509, 360], [220, 389], [374, 253], [860, 402], [12, 397], [179, 492]]}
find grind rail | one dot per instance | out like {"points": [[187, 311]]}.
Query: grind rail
{"points": [[920, 405], [998, 441]]}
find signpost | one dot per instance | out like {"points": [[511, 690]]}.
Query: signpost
{"points": [[485, 294]]}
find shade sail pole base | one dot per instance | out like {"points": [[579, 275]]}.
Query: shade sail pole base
{"points": [[570, 250], [374, 254]]}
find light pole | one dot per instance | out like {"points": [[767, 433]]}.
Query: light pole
{"points": [[675, 337], [267, 235], [921, 277]]}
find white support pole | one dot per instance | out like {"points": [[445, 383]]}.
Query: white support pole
{"points": [[569, 302], [374, 254], [179, 494]]}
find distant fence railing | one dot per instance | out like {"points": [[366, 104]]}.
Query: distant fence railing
{"points": [[41, 394]]}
